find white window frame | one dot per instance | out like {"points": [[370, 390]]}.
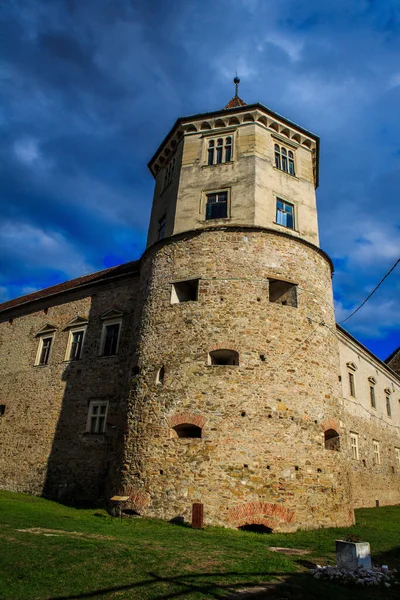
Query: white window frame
{"points": [[106, 323], [90, 416], [354, 446], [294, 213], [284, 156], [43, 337], [397, 457], [377, 454], [70, 340]]}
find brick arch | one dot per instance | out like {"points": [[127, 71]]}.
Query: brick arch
{"points": [[186, 417], [260, 513], [330, 423], [224, 346]]}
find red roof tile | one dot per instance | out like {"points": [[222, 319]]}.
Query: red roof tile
{"points": [[235, 102], [118, 271]]}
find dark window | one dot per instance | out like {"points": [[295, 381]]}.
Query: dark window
{"points": [[217, 206], [160, 376], [224, 357], [277, 156], [2, 409], [284, 213], [388, 407], [76, 345], [161, 227], [228, 149], [169, 173], [352, 385], [45, 350], [372, 396], [184, 291], [332, 440], [283, 292], [255, 528], [220, 149], [211, 145], [284, 160], [111, 339], [187, 430]]}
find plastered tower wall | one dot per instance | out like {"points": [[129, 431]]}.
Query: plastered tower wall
{"points": [[261, 457]]}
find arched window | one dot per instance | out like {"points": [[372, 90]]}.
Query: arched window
{"points": [[332, 440], [291, 163], [219, 150], [284, 159], [211, 145], [186, 430], [224, 357], [160, 378], [220, 147], [228, 149], [277, 156]]}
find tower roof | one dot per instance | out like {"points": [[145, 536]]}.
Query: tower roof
{"points": [[235, 102]]}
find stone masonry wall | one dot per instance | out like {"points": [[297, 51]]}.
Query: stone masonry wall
{"points": [[261, 457], [44, 445]]}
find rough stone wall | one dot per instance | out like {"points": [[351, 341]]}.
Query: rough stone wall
{"points": [[44, 446], [371, 482], [261, 457]]}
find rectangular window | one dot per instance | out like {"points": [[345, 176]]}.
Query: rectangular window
{"points": [[75, 344], [397, 457], [161, 227], [185, 291], [282, 292], [354, 445], [284, 213], [97, 416], [372, 396], [217, 205], [352, 385], [110, 338], [388, 407], [44, 349], [377, 458]]}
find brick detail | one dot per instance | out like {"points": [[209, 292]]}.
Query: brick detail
{"points": [[260, 513], [186, 417], [330, 423], [225, 346]]}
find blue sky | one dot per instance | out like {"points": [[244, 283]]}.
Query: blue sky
{"points": [[88, 89]]}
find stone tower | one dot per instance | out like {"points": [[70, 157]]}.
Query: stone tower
{"points": [[235, 393]]}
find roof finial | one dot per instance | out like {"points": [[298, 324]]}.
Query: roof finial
{"points": [[236, 81]]}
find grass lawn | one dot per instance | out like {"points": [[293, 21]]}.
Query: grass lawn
{"points": [[52, 552]]}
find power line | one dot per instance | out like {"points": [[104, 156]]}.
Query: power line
{"points": [[373, 292]]}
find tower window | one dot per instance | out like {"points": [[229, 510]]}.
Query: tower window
{"points": [[372, 396], [219, 150], [186, 430], [224, 357], [284, 159], [97, 415], [161, 227], [284, 213], [283, 292], [160, 378], [185, 291], [217, 205]]}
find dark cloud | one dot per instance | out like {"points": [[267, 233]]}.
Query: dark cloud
{"points": [[89, 89]]}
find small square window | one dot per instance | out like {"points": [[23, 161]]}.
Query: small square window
{"points": [[217, 205], [282, 292], [110, 338], [43, 353], [97, 416], [185, 291], [75, 344], [284, 213]]}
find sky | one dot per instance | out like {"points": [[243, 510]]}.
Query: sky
{"points": [[89, 88]]}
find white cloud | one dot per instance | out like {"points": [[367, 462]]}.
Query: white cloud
{"points": [[292, 47], [28, 152]]}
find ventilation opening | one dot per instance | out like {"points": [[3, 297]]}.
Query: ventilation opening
{"points": [[186, 430], [332, 440], [282, 292], [255, 528], [160, 376], [224, 357], [184, 291]]}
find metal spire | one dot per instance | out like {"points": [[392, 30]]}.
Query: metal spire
{"points": [[236, 81]]}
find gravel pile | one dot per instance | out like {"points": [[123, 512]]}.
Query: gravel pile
{"points": [[366, 577]]}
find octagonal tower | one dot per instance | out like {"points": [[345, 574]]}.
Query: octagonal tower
{"points": [[235, 398]]}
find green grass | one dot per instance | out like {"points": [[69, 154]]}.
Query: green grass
{"points": [[83, 554]]}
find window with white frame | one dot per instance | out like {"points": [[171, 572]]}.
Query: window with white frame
{"points": [[220, 150], [97, 416], [110, 337], [354, 446], [75, 343], [285, 213], [217, 205], [284, 159], [377, 457], [397, 457], [44, 350]]}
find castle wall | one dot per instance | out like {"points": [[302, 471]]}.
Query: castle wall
{"points": [[44, 444], [261, 457], [372, 483]]}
